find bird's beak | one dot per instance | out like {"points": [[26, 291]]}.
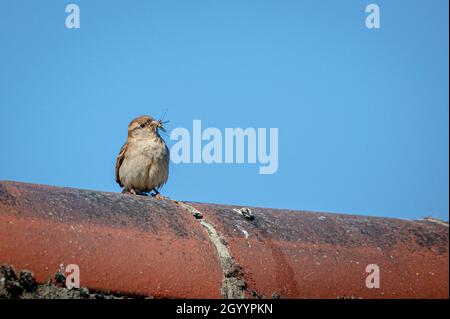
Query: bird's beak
{"points": [[160, 125]]}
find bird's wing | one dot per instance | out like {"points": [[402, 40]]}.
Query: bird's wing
{"points": [[119, 162], [165, 168]]}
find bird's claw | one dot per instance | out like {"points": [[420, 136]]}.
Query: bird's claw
{"points": [[159, 196], [130, 192]]}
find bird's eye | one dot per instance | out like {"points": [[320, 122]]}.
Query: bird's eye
{"points": [[142, 125]]}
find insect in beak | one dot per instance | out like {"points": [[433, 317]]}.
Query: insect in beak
{"points": [[160, 125]]}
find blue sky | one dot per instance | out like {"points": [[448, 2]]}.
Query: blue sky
{"points": [[362, 114]]}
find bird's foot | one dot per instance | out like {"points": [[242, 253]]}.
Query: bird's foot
{"points": [[130, 192], [157, 195]]}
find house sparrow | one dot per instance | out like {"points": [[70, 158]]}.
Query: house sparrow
{"points": [[143, 161]]}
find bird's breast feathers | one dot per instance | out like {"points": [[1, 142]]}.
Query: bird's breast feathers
{"points": [[146, 164], [151, 148]]}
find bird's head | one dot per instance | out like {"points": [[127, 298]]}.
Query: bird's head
{"points": [[145, 125]]}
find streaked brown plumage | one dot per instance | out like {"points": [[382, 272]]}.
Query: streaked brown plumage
{"points": [[143, 161]]}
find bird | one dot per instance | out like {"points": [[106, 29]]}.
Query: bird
{"points": [[142, 165]]}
